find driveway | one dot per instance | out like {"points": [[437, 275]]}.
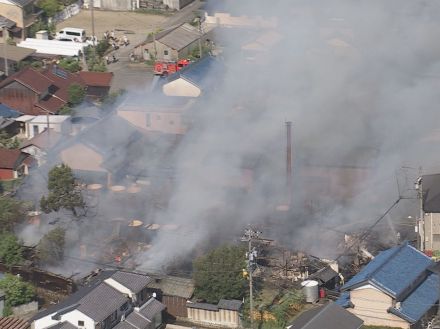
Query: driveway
{"points": [[136, 26]]}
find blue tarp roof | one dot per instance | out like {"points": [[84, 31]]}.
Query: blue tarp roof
{"points": [[344, 299], [7, 112], [393, 271], [420, 301]]}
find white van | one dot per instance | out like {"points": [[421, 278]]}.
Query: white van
{"points": [[71, 34]]}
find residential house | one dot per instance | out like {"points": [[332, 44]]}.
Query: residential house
{"points": [[38, 92], [13, 163], [105, 302], [157, 114], [174, 293], [39, 146], [197, 78], [172, 44], [397, 288], [429, 225], [31, 125], [17, 17], [225, 314], [98, 83], [13, 323], [13, 56], [329, 316], [7, 120]]}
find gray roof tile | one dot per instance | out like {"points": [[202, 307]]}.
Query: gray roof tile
{"points": [[180, 37], [230, 304], [137, 320], [151, 308], [133, 281], [101, 302]]}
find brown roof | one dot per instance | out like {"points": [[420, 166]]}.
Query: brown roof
{"points": [[97, 79], [50, 103], [13, 323], [31, 79], [61, 81], [10, 159], [44, 140], [15, 53]]}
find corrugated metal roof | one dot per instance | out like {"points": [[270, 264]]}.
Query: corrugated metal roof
{"points": [[393, 271], [7, 112], [180, 37]]}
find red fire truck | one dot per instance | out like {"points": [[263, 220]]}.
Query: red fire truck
{"points": [[164, 68]]}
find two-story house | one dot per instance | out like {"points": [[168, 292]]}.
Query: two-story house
{"points": [[20, 15], [398, 288], [106, 301], [429, 224]]}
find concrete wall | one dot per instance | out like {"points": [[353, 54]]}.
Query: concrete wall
{"points": [[165, 122], [371, 305], [432, 231], [181, 87], [224, 318], [121, 5], [71, 317]]}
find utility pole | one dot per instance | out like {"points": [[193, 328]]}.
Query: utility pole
{"points": [[5, 55], [251, 255], [92, 12], [421, 222], [200, 38]]}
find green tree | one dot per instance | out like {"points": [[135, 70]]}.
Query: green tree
{"points": [[219, 274], [12, 212], [70, 64], [17, 291], [76, 94], [8, 142], [50, 249], [64, 191], [49, 7], [11, 251]]}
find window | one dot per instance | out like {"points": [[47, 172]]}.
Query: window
{"points": [[165, 52], [148, 123], [124, 307], [80, 323], [35, 129]]}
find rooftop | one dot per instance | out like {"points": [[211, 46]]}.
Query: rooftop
{"points": [[10, 159], [96, 79], [13, 323], [45, 140], [7, 112], [329, 316], [180, 37], [15, 53], [174, 286], [133, 281]]}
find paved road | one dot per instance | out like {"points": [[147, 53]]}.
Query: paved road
{"points": [[131, 76]]}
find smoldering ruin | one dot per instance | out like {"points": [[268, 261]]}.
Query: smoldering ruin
{"points": [[358, 82]]}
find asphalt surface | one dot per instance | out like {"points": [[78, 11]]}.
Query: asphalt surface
{"points": [[138, 76]]}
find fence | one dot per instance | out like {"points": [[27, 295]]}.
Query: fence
{"points": [[67, 12]]}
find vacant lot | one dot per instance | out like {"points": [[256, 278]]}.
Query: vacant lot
{"points": [[137, 25]]}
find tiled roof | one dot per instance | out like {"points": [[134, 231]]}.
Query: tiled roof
{"points": [[424, 297], [124, 325], [97, 79], [15, 53], [10, 159], [50, 103], [6, 22], [151, 308], [44, 140], [7, 112], [21, 3], [180, 37], [393, 271], [133, 281], [230, 304], [137, 320], [13, 323], [101, 302], [31, 79], [329, 316], [62, 80]]}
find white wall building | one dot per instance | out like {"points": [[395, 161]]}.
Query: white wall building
{"points": [[32, 125]]}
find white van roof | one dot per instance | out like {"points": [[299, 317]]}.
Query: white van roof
{"points": [[73, 29]]}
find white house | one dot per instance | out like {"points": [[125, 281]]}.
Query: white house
{"points": [[103, 303], [32, 125]]}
